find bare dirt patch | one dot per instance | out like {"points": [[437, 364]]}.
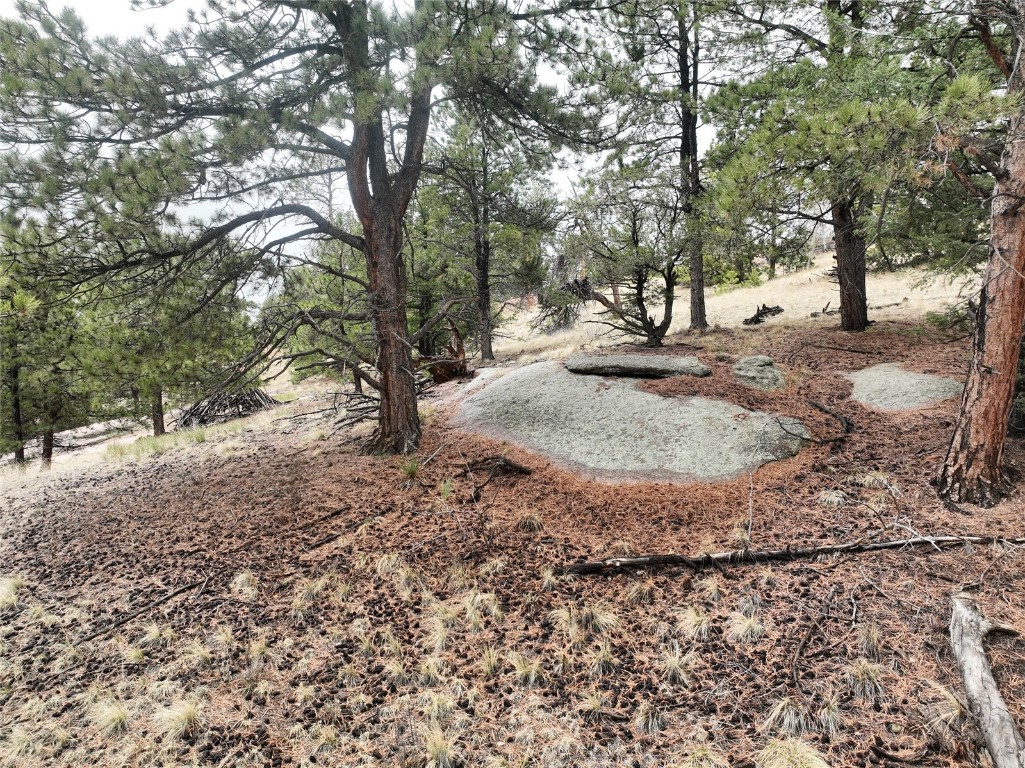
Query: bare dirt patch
{"points": [[350, 610]]}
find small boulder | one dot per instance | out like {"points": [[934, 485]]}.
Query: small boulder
{"points": [[758, 371], [644, 366]]}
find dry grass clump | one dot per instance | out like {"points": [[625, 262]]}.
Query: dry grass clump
{"points": [[944, 715], [432, 671], [832, 499], [438, 707], [490, 660], [258, 652], [9, 587], [307, 595], [649, 719], [528, 672], [598, 619], [197, 654], [703, 756], [549, 581], [749, 603], [640, 593], [155, 635], [439, 748], [603, 662], [710, 588], [790, 753], [870, 641], [830, 718], [676, 666], [786, 717], [865, 679], [693, 624], [180, 719], [111, 717], [395, 673], [245, 585], [531, 522], [743, 628], [877, 480]]}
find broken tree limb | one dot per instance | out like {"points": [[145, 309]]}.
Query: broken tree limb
{"points": [[746, 556], [149, 606], [967, 630]]}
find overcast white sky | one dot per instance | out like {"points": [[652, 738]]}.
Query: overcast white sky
{"points": [[116, 17]]}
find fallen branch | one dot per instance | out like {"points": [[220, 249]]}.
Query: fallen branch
{"points": [[496, 465], [844, 421], [746, 557], [134, 614], [967, 630]]}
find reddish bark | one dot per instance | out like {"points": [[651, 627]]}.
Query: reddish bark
{"points": [[973, 469]]}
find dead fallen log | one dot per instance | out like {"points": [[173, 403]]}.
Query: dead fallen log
{"points": [[967, 630], [761, 313], [747, 557]]}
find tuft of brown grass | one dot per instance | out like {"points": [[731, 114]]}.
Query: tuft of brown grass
{"points": [[790, 753], [786, 717], [179, 720]]}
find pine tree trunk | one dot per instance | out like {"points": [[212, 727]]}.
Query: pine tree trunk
{"points": [[484, 315], [617, 299], [157, 411], [17, 420], [425, 345], [399, 425], [973, 469], [47, 454], [688, 64], [698, 321], [850, 267], [482, 248]]}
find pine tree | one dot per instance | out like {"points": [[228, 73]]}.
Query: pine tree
{"points": [[241, 101]]}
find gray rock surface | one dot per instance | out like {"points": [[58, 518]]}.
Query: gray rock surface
{"points": [[888, 387], [612, 429], [646, 366], [758, 371]]}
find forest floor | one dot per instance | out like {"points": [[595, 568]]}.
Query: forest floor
{"points": [[270, 596]]}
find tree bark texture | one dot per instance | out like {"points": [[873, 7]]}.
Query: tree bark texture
{"points": [[157, 411], [690, 170], [47, 452], [850, 267], [698, 319], [399, 425], [973, 469], [17, 419], [967, 630], [380, 197]]}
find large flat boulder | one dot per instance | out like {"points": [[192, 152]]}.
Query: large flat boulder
{"points": [[888, 387], [643, 366], [611, 429]]}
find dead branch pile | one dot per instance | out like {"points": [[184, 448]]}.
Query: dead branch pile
{"points": [[225, 406]]}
